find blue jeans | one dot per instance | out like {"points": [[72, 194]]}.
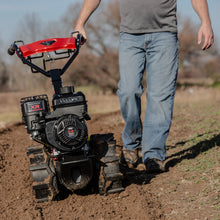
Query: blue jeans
{"points": [[158, 54]]}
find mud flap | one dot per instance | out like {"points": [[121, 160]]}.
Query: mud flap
{"points": [[44, 178], [110, 177]]}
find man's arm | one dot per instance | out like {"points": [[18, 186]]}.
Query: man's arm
{"points": [[89, 6], [205, 33]]}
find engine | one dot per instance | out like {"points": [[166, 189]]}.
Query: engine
{"points": [[64, 128]]}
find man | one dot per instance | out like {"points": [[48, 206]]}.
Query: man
{"points": [[148, 40]]}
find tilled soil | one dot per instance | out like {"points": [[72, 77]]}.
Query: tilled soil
{"points": [[18, 202], [170, 195]]}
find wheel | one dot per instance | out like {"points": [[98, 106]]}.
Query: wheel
{"points": [[110, 177], [44, 178]]}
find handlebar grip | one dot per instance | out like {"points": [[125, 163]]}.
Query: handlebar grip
{"points": [[11, 50], [81, 38]]}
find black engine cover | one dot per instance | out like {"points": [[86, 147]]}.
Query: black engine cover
{"points": [[67, 133], [64, 128]]}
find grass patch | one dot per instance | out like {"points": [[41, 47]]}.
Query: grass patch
{"points": [[203, 170], [216, 84], [205, 162]]}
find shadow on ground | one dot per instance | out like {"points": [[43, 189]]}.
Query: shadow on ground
{"points": [[132, 176], [193, 151]]}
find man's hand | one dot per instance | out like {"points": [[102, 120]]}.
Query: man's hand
{"points": [[81, 30], [89, 6], [205, 33], [206, 36]]}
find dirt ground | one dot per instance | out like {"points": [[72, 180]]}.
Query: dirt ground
{"points": [[189, 190]]}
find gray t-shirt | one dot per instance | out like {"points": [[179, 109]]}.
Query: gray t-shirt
{"points": [[147, 16]]}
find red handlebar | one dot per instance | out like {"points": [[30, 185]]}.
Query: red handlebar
{"points": [[48, 45], [70, 47]]}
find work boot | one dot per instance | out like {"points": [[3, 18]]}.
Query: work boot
{"points": [[155, 166], [129, 157]]}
